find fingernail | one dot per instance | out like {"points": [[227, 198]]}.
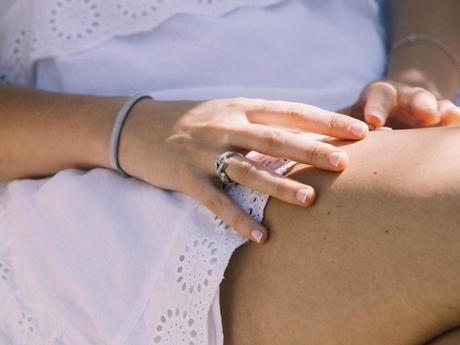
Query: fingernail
{"points": [[359, 129], [257, 235], [303, 194], [383, 129], [433, 116], [377, 118], [336, 158]]}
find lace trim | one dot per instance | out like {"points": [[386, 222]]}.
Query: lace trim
{"points": [[195, 269], [33, 30]]}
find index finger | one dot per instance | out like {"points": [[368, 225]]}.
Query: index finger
{"points": [[305, 117]]}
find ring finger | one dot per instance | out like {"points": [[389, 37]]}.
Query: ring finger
{"points": [[254, 175]]}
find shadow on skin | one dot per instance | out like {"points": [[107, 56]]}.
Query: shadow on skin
{"points": [[373, 261]]}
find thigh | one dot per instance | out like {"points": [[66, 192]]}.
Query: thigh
{"points": [[449, 338], [375, 261]]}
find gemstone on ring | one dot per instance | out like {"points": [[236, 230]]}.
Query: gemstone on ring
{"points": [[221, 164]]}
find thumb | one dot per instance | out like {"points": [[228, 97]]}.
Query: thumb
{"points": [[379, 100]]}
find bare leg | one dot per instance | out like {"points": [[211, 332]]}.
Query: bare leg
{"points": [[449, 338], [375, 261]]}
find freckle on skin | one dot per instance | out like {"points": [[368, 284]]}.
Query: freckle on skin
{"points": [[387, 231], [375, 172], [328, 213]]}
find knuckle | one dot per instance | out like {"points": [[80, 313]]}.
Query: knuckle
{"points": [[418, 92], [236, 221], [238, 102], [272, 139], [333, 122], [280, 187], [418, 89], [294, 111], [383, 90], [232, 104], [256, 100], [245, 171], [382, 86], [314, 152]]}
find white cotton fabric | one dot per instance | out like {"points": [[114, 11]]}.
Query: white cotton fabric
{"points": [[31, 30], [99, 259], [88, 257], [308, 51]]}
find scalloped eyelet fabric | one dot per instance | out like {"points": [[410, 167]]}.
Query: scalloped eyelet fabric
{"points": [[194, 270], [177, 309], [33, 30]]}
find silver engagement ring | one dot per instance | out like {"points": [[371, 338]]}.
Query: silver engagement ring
{"points": [[221, 164]]}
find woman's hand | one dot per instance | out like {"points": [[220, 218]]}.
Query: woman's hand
{"points": [[173, 145], [400, 105]]}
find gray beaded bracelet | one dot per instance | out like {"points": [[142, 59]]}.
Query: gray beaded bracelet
{"points": [[118, 125]]}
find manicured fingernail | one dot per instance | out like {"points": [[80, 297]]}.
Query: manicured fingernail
{"points": [[359, 129], [303, 194], [376, 117], [257, 235], [383, 129], [336, 158]]}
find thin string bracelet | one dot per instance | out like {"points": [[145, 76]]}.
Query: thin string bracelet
{"points": [[116, 131], [410, 39]]}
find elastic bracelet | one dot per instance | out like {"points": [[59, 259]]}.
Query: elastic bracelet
{"points": [[429, 39], [117, 127]]}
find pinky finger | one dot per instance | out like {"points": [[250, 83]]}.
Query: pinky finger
{"points": [[450, 113], [224, 207]]}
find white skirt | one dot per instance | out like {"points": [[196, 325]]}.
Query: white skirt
{"points": [[131, 280]]}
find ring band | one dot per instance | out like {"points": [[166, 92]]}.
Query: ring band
{"points": [[221, 164]]}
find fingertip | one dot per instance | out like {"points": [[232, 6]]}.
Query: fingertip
{"points": [[451, 116], [312, 197], [428, 116], [359, 129], [306, 196], [259, 235], [375, 117], [338, 160]]}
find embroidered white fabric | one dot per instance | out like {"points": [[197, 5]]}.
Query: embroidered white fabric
{"points": [[187, 283], [197, 267], [190, 277], [33, 30]]}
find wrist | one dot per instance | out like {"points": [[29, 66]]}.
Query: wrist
{"points": [[139, 130], [100, 113], [425, 66]]}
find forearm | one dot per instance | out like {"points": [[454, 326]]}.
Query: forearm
{"points": [[42, 133], [424, 64]]}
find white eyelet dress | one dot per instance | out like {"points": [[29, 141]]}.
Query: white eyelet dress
{"points": [[89, 257]]}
